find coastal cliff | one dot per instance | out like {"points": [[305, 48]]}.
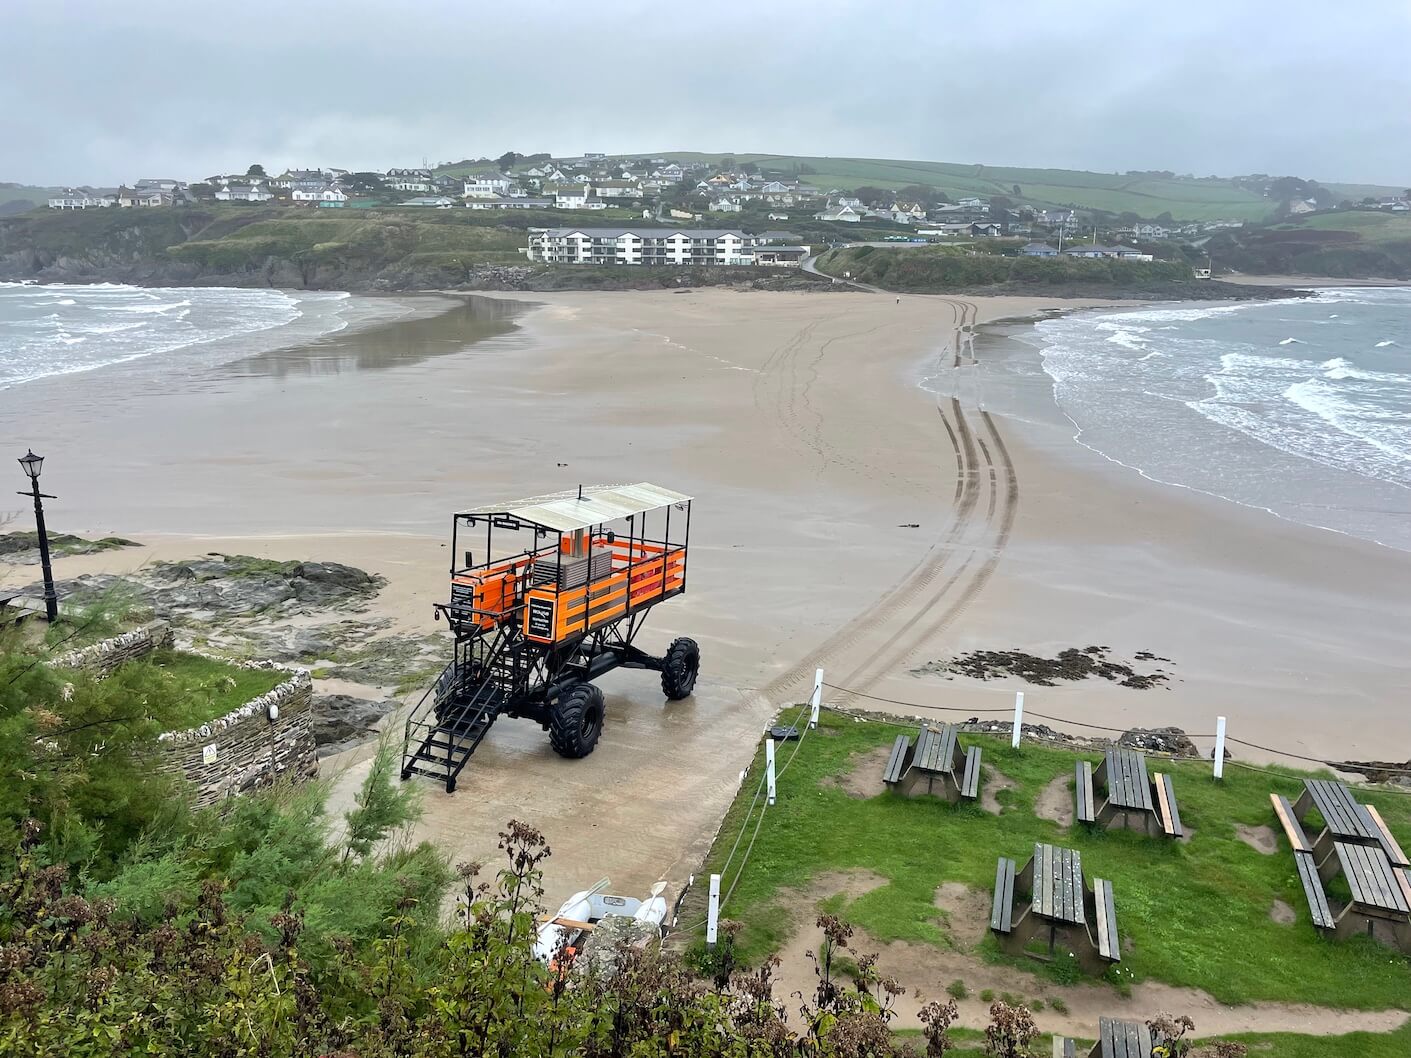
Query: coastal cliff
{"points": [[359, 251]]}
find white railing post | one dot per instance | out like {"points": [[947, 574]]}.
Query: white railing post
{"points": [[1018, 719], [1219, 747], [769, 765], [713, 912], [817, 699]]}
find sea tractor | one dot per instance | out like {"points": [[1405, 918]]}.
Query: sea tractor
{"points": [[537, 619]]}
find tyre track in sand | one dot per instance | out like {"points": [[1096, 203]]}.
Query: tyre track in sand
{"points": [[956, 566]]}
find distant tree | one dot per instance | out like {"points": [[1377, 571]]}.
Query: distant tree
{"points": [[507, 160], [1017, 192], [922, 194], [1347, 203], [201, 190], [804, 169], [1128, 218], [727, 162], [749, 168], [1000, 204], [255, 170], [362, 182], [1165, 218], [872, 196]]}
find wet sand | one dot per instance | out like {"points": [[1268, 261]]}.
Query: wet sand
{"points": [[847, 517]]}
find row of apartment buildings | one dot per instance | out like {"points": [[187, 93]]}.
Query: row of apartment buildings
{"points": [[662, 246]]}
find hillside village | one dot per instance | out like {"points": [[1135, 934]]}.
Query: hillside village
{"points": [[628, 210]]}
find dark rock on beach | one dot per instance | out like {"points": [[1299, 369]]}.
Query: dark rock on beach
{"points": [[1070, 664], [342, 721], [1167, 740]]}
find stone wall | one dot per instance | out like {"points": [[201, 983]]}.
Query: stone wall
{"points": [[103, 658], [245, 749]]}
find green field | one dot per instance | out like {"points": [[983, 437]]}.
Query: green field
{"points": [[1196, 914], [1147, 196], [1369, 225]]}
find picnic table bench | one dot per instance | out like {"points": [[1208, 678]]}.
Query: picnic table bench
{"points": [[1115, 1039], [1356, 845], [934, 763], [1130, 796], [1048, 900]]}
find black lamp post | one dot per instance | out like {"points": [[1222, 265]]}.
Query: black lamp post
{"points": [[32, 464]]}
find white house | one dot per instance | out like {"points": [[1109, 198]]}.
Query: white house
{"points": [[1037, 249], [233, 192], [430, 202], [480, 185], [617, 188], [725, 205], [646, 246], [671, 172], [509, 203], [847, 214], [328, 194], [577, 196], [73, 198]]}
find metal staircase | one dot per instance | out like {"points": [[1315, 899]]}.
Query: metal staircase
{"points": [[456, 712]]}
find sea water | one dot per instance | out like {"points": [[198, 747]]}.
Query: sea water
{"points": [[48, 330], [1301, 407]]}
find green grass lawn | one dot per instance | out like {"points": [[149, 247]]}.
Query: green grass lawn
{"points": [[1197, 914], [207, 687], [1370, 226]]}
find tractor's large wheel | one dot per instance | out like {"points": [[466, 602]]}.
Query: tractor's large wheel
{"points": [[679, 668], [577, 721]]}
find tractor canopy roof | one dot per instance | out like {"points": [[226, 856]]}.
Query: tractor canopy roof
{"points": [[583, 508]]}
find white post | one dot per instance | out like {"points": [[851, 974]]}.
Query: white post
{"points": [[1219, 747], [769, 765], [1018, 719], [817, 698], [713, 914]]}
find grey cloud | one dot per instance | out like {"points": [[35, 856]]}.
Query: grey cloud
{"points": [[100, 93]]}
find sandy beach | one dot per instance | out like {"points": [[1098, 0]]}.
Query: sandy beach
{"points": [[878, 486]]}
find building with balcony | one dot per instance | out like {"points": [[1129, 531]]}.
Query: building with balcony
{"points": [[648, 246]]}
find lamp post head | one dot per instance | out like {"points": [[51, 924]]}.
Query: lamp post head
{"points": [[31, 464]]}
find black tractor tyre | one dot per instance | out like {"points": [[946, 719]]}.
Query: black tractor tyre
{"points": [[679, 667], [577, 721]]}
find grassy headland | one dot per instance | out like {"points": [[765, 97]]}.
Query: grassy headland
{"points": [[354, 249], [1345, 243], [961, 270]]}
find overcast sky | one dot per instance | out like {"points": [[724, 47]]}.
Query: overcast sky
{"points": [[101, 93]]}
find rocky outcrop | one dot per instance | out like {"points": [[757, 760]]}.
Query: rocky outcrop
{"points": [[342, 721]]}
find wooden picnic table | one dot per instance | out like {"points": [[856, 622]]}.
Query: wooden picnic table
{"points": [[1048, 900], [1115, 1039], [934, 763], [1057, 884], [1122, 774], [1122, 1039], [937, 749], [1377, 886], [1343, 818]]}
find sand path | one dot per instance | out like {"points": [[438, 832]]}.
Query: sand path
{"points": [[932, 969]]}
